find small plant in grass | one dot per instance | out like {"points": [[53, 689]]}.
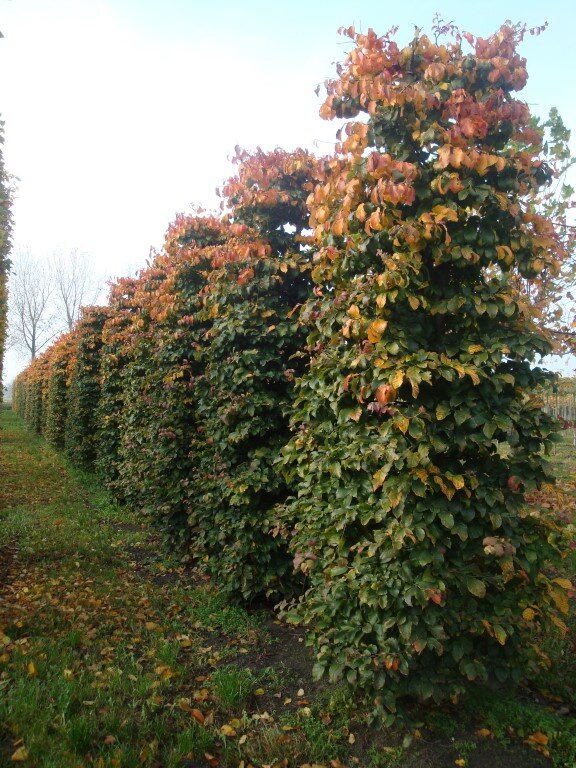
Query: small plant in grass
{"points": [[416, 432], [233, 687]]}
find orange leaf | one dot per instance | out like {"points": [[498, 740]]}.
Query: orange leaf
{"points": [[538, 738]]}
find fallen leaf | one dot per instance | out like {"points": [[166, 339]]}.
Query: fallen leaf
{"points": [[20, 755], [151, 625], [538, 738]]}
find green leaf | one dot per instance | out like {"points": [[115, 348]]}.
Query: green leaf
{"points": [[476, 587]]}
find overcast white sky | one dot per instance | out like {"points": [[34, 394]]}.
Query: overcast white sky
{"points": [[120, 113]]}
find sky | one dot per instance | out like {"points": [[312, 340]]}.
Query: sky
{"points": [[121, 113]]}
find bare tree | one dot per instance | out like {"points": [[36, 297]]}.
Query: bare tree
{"points": [[31, 317], [75, 284]]}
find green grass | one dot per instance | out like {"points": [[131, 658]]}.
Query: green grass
{"points": [[113, 655]]}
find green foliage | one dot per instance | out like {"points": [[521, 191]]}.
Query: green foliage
{"points": [[114, 359], [416, 433], [84, 391], [159, 401], [243, 408], [246, 391]]}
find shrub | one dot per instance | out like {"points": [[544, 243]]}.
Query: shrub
{"points": [[416, 433], [246, 391], [84, 390]]}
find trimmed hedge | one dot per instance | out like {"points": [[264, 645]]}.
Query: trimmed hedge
{"points": [[84, 389]]}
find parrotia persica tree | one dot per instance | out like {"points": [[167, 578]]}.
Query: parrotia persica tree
{"points": [[417, 434]]}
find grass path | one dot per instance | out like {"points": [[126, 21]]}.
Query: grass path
{"points": [[112, 655]]}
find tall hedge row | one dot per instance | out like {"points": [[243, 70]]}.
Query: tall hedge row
{"points": [[324, 394]]}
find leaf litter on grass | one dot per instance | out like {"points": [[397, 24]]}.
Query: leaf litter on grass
{"points": [[112, 655]]}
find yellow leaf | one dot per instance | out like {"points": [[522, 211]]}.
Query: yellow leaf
{"points": [[505, 253], [560, 624], [443, 213], [460, 762], [375, 330], [402, 423], [475, 348], [483, 733], [473, 375], [560, 600], [397, 379], [32, 671], [500, 634], [564, 583], [259, 692], [457, 481], [528, 614], [151, 625], [227, 730], [413, 301], [20, 755], [354, 312]]}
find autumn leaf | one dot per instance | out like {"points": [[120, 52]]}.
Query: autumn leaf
{"points": [[354, 312], [539, 738], [20, 755], [375, 330]]}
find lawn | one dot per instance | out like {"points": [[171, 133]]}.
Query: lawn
{"points": [[112, 654]]}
